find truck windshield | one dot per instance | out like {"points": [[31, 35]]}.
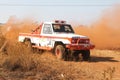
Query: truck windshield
{"points": [[65, 28]]}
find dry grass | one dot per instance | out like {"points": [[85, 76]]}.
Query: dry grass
{"points": [[21, 64], [2, 39]]}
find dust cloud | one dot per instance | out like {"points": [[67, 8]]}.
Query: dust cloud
{"points": [[14, 26], [104, 33]]}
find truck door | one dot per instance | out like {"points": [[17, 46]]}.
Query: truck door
{"points": [[46, 33]]}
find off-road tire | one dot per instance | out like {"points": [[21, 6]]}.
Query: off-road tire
{"points": [[86, 55], [77, 56], [59, 51]]}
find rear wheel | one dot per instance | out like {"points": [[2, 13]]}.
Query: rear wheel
{"points": [[59, 51], [28, 44]]}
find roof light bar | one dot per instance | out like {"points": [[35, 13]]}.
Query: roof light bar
{"points": [[60, 21]]}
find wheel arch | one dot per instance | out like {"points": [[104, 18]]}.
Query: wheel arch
{"points": [[58, 43], [27, 39]]}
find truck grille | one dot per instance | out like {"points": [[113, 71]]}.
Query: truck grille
{"points": [[80, 41], [83, 41]]}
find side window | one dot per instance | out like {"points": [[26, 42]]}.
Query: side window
{"points": [[47, 29]]}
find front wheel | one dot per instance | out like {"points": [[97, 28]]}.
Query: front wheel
{"points": [[59, 51], [86, 55], [82, 55]]}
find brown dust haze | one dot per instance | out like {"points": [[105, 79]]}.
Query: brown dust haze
{"points": [[104, 33], [14, 26]]}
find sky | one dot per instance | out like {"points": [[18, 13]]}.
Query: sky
{"points": [[76, 11]]}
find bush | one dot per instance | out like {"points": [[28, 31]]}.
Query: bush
{"points": [[19, 57], [2, 39]]}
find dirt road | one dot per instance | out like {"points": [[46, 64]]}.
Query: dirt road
{"points": [[104, 65]]}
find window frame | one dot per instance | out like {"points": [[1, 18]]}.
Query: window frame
{"points": [[46, 30]]}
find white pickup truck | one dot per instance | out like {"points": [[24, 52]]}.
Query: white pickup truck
{"points": [[59, 37]]}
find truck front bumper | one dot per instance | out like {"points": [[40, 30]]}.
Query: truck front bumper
{"points": [[80, 46]]}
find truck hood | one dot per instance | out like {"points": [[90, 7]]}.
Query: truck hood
{"points": [[70, 35]]}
